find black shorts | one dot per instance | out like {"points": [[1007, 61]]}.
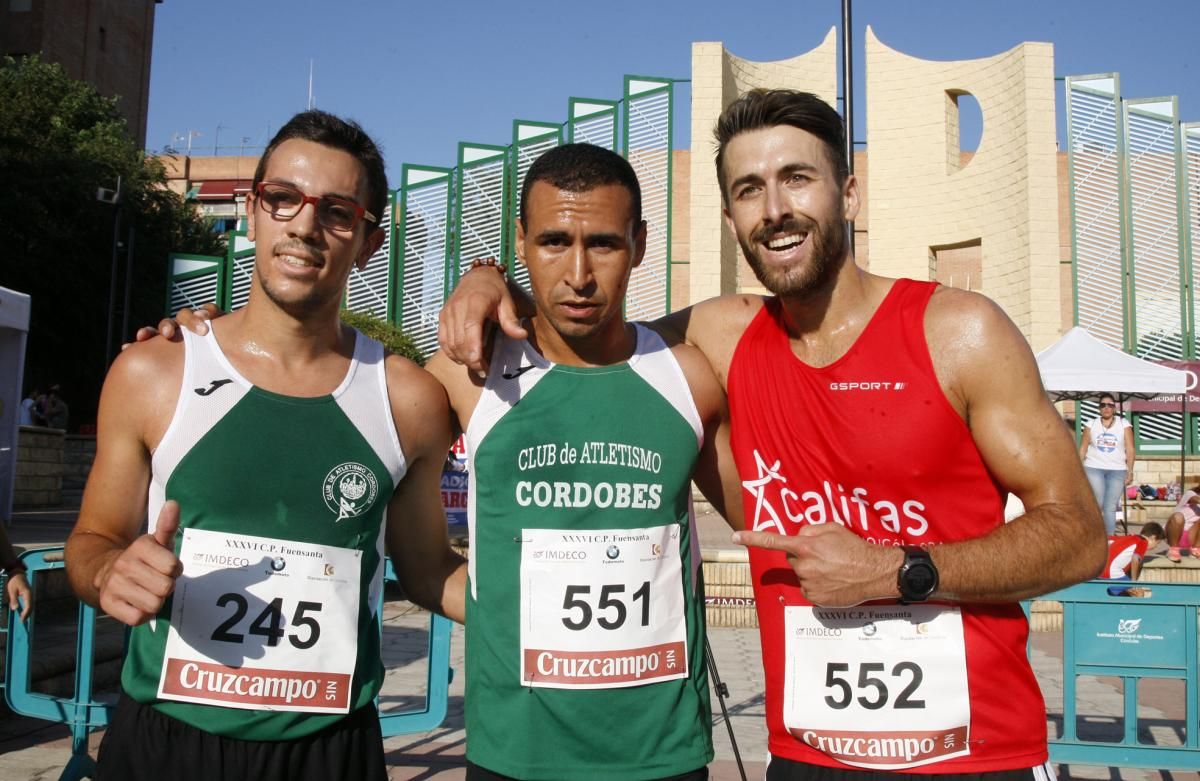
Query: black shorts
{"points": [[781, 769], [477, 773], [143, 744]]}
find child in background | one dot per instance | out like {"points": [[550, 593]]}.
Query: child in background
{"points": [[1182, 530], [1125, 557]]}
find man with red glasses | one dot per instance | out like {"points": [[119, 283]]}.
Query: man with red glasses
{"points": [[276, 456]]}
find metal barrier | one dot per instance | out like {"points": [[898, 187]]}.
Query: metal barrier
{"points": [[437, 680], [82, 713], [1132, 639]]}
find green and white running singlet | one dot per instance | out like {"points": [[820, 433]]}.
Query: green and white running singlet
{"points": [[585, 618], [270, 633]]}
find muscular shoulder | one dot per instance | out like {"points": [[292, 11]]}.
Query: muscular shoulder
{"points": [[419, 407], [142, 387], [973, 343], [963, 322], [412, 391]]}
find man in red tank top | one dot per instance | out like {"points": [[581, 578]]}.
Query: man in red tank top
{"points": [[878, 425]]}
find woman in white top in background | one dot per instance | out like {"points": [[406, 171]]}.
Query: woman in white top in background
{"points": [[1107, 453]]}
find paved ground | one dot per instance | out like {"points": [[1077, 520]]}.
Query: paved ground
{"points": [[31, 749]]}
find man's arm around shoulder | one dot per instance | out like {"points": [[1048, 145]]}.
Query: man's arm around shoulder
{"points": [[431, 573]]}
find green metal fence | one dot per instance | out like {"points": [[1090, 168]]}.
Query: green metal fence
{"points": [[647, 146], [193, 280], [1094, 154], [592, 121], [530, 141], [1132, 217], [370, 289], [423, 252]]}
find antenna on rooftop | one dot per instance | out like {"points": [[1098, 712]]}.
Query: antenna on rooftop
{"points": [[310, 77]]}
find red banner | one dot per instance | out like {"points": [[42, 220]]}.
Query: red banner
{"points": [[1172, 402]]}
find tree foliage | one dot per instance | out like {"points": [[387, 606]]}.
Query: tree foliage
{"points": [[59, 142]]}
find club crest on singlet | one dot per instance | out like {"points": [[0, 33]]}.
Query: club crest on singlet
{"points": [[350, 489]]}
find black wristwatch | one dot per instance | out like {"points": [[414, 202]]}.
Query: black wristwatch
{"points": [[918, 576]]}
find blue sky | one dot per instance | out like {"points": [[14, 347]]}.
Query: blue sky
{"points": [[423, 76]]}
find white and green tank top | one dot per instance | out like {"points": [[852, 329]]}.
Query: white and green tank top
{"points": [[282, 503], [585, 623]]}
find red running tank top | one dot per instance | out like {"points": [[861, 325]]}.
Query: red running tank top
{"points": [[871, 442]]}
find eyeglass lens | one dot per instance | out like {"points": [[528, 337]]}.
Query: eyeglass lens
{"points": [[334, 213]]}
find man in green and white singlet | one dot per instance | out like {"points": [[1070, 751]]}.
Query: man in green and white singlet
{"points": [[585, 610], [277, 457]]}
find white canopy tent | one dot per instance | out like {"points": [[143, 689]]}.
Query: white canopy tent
{"points": [[1079, 366]]}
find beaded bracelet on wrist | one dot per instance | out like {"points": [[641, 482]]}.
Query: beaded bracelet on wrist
{"points": [[489, 263]]}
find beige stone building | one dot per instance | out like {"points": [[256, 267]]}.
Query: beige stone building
{"points": [[994, 220], [217, 185]]}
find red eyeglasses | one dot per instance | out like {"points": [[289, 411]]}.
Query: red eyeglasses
{"points": [[285, 202]]}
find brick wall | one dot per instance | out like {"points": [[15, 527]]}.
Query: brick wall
{"points": [[78, 453], [39, 467], [1163, 470]]}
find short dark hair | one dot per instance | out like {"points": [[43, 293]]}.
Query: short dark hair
{"points": [[1104, 396], [763, 108], [578, 168], [1154, 529], [347, 135]]}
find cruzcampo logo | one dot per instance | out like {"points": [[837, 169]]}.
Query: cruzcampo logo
{"points": [[350, 489]]}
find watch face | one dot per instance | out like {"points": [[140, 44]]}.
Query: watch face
{"points": [[919, 579]]}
